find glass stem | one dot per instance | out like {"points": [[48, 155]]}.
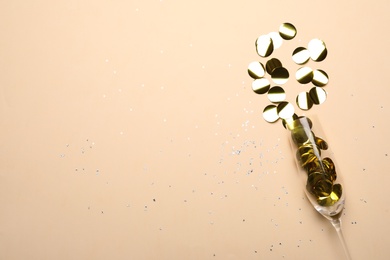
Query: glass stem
{"points": [[337, 225]]}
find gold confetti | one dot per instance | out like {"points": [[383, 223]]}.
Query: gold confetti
{"points": [[264, 46], [304, 101], [276, 94], [270, 113], [304, 75], [318, 51], [285, 110], [280, 75], [318, 95], [260, 86], [256, 70], [320, 78], [301, 55], [287, 31]]}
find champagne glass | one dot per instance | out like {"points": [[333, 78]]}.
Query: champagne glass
{"points": [[323, 186]]}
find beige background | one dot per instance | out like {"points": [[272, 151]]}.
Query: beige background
{"points": [[129, 130]]}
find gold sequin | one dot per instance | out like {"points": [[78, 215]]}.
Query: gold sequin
{"points": [[276, 94], [317, 48], [318, 95], [301, 55], [304, 75], [280, 75], [264, 46], [320, 78], [272, 64], [287, 31], [285, 110], [256, 70], [260, 86], [304, 101], [270, 113]]}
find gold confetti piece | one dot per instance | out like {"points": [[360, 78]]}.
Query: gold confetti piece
{"points": [[337, 192], [277, 40], [330, 167], [306, 154], [285, 110], [270, 113], [320, 78], [321, 143], [304, 101], [256, 70], [304, 75], [301, 55], [280, 75], [264, 46], [318, 95], [260, 86], [287, 31], [334, 196], [272, 64], [276, 94], [321, 173], [319, 184], [317, 49]]}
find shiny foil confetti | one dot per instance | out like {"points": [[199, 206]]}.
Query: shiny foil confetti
{"points": [[276, 94], [320, 78], [304, 101], [270, 113], [256, 70], [271, 77], [287, 31], [321, 172], [301, 55]]}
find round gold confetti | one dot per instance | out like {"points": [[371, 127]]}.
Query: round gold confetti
{"points": [[256, 70], [277, 40], [320, 78], [280, 75], [272, 64], [287, 31], [318, 95], [304, 75], [264, 46], [270, 113], [304, 101], [301, 55], [285, 110], [276, 94], [260, 86], [321, 143], [317, 49]]}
